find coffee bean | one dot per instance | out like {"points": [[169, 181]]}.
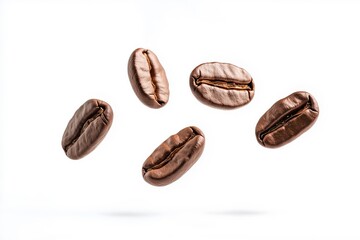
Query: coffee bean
{"points": [[148, 78], [87, 128], [222, 85], [287, 119], [174, 157]]}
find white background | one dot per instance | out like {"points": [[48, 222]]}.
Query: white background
{"points": [[55, 55]]}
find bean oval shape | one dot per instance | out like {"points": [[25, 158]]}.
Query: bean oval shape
{"points": [[148, 78], [222, 85], [287, 119], [87, 128], [174, 157]]}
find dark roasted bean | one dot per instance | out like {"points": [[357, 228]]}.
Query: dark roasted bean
{"points": [[174, 157], [87, 128], [222, 85], [148, 78], [287, 119]]}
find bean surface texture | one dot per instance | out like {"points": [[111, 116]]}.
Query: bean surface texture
{"points": [[87, 128], [287, 119], [148, 78], [174, 157], [222, 85]]}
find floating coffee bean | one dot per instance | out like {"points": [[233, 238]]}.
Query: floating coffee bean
{"points": [[222, 85], [148, 78], [287, 119], [174, 157], [87, 128]]}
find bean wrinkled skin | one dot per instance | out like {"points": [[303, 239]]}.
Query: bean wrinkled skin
{"points": [[148, 78], [87, 128], [222, 85], [174, 157], [287, 119]]}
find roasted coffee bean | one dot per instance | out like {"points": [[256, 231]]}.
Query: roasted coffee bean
{"points": [[148, 78], [287, 119], [222, 85], [174, 157], [87, 128]]}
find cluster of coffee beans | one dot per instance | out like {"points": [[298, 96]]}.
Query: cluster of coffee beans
{"points": [[219, 85]]}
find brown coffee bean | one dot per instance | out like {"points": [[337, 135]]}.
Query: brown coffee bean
{"points": [[148, 78], [287, 119], [222, 85], [87, 128], [174, 157]]}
